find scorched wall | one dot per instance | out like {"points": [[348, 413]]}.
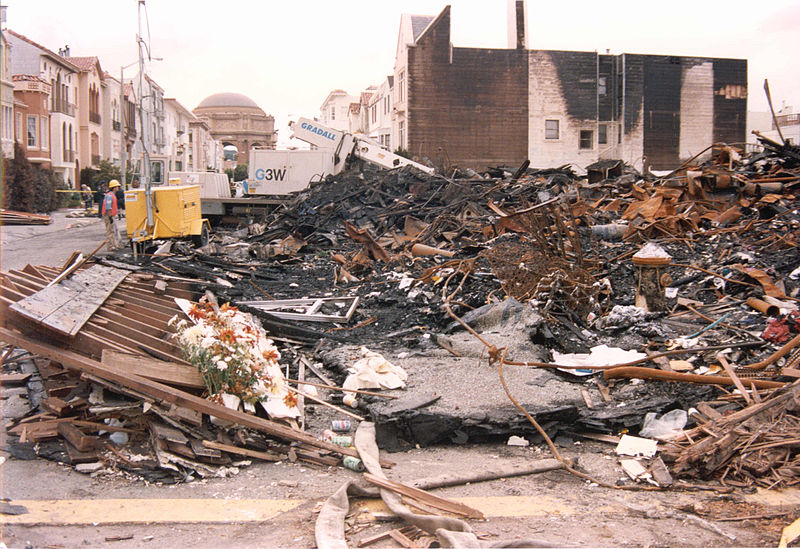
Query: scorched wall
{"points": [[466, 106]]}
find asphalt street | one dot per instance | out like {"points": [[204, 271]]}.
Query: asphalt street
{"points": [[50, 244]]}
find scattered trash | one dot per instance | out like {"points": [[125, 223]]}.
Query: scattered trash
{"points": [[636, 446]]}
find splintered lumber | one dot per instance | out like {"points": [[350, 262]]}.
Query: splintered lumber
{"points": [[424, 497], [151, 368], [67, 306], [756, 444], [169, 394], [13, 217]]}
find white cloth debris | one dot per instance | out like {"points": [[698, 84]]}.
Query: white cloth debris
{"points": [[373, 371], [601, 355], [651, 250]]}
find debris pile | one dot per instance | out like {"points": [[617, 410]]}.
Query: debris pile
{"points": [[13, 217], [684, 269]]}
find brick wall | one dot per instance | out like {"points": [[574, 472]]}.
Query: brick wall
{"points": [[466, 106]]}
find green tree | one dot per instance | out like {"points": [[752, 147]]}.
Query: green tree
{"points": [[18, 181], [27, 188], [105, 172], [240, 172]]}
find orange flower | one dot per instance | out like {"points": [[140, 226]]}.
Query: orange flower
{"points": [[290, 399], [272, 354], [196, 313], [227, 336], [228, 307]]}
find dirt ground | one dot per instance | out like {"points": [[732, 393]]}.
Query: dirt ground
{"points": [[556, 507]]}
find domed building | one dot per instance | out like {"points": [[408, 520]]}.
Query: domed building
{"points": [[235, 119]]}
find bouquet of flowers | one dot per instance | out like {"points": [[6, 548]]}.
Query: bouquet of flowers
{"points": [[234, 357]]}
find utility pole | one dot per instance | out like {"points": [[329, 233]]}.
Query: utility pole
{"points": [[123, 154], [148, 191]]}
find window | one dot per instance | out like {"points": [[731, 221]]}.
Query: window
{"points": [[156, 169], [587, 139], [44, 132], [178, 166], [402, 87], [602, 134], [33, 139], [8, 123], [402, 135], [619, 133], [18, 130], [551, 129], [601, 86], [333, 113], [191, 134]]}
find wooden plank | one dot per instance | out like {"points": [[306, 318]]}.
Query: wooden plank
{"points": [[76, 456], [151, 368], [13, 379], [68, 305], [708, 411], [169, 394], [266, 456], [168, 433], [55, 405], [735, 378], [74, 436], [438, 502], [185, 414]]}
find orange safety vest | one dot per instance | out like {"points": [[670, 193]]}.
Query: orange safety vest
{"points": [[110, 204]]}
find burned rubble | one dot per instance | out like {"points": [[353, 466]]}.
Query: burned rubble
{"points": [[544, 274]]}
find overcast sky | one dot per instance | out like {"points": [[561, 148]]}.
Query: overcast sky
{"points": [[287, 55]]}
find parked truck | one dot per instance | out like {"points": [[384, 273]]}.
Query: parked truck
{"points": [[275, 174], [279, 173]]}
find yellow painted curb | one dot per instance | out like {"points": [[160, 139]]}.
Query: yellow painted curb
{"points": [[143, 511]]}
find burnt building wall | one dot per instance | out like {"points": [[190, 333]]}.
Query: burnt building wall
{"points": [[466, 106], [662, 110], [479, 107], [730, 100]]}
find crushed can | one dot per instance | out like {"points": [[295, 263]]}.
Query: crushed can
{"points": [[341, 425], [354, 464], [342, 440]]}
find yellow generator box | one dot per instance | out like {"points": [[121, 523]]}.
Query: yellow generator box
{"points": [[176, 213]]}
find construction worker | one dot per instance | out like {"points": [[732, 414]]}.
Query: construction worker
{"points": [[109, 213]]}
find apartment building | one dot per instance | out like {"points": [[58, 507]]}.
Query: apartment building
{"points": [[6, 99], [379, 112], [111, 116], [177, 122], [32, 118], [91, 88], [335, 110], [30, 58]]}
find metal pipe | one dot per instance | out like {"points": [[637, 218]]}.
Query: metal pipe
{"points": [[628, 372], [763, 306], [780, 353]]}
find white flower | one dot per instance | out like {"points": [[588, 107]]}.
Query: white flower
{"points": [[222, 365]]}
